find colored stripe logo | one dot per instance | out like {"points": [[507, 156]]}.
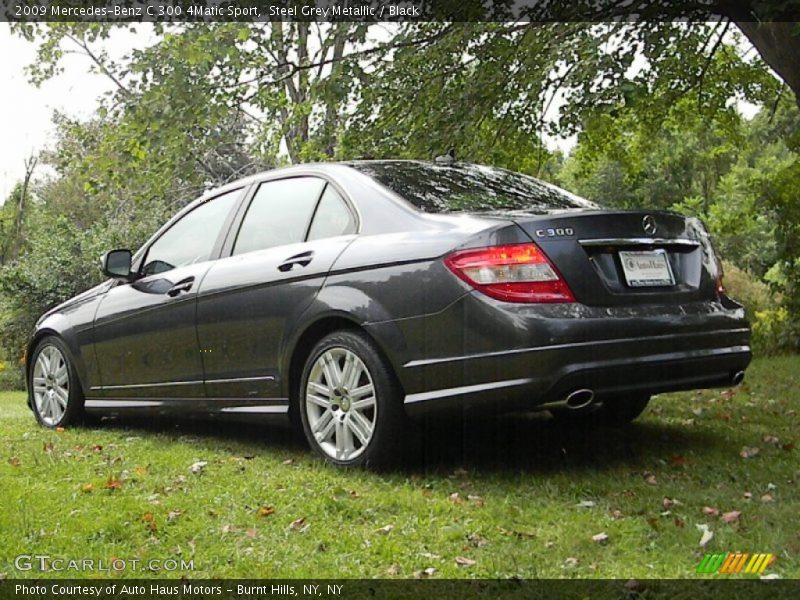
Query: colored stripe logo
{"points": [[735, 562]]}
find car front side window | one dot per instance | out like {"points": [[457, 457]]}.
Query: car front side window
{"points": [[279, 214], [192, 238]]}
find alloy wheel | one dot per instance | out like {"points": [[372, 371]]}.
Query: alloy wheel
{"points": [[51, 385], [340, 404]]}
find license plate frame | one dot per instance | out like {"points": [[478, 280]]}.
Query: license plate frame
{"points": [[646, 268]]}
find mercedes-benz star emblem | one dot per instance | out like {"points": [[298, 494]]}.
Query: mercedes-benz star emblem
{"points": [[649, 225]]}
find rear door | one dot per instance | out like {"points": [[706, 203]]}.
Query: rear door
{"points": [[288, 239]]}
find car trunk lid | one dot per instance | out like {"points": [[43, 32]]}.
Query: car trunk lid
{"points": [[613, 258]]}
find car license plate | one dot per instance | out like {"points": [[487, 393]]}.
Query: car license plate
{"points": [[647, 268]]}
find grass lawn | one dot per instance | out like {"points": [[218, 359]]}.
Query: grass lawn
{"points": [[520, 497]]}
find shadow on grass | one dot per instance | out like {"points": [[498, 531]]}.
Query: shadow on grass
{"points": [[530, 443]]}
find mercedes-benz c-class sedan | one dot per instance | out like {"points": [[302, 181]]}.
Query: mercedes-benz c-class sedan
{"points": [[350, 298]]}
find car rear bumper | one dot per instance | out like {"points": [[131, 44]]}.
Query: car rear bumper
{"points": [[499, 357]]}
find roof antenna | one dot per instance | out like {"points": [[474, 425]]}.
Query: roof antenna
{"points": [[446, 159]]}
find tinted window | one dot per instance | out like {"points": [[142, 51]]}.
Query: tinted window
{"points": [[279, 214], [464, 187], [191, 239], [332, 217]]}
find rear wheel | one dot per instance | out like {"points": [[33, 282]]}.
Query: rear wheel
{"points": [[350, 403], [56, 396], [614, 412]]}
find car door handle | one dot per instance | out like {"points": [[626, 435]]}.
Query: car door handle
{"points": [[181, 287], [303, 259]]}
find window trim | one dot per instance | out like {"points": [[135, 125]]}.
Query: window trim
{"points": [[241, 213], [216, 250]]}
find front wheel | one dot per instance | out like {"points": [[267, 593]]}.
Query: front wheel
{"points": [[350, 403], [56, 396]]}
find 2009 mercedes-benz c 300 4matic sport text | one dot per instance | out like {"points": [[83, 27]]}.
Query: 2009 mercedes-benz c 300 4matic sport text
{"points": [[350, 297]]}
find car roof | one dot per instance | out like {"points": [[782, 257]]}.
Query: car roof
{"points": [[330, 168]]}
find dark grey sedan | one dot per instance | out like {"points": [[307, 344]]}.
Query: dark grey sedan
{"points": [[350, 297]]}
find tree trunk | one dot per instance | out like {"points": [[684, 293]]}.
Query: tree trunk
{"points": [[779, 46]]}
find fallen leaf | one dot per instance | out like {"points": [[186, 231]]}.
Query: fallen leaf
{"points": [[767, 498], [265, 511], [476, 500], [747, 495], [140, 471], [455, 498], [47, 447], [354, 494], [586, 504], [477, 540], [394, 570], [113, 484], [649, 478], [198, 467], [749, 451], [788, 446], [617, 514], [97, 448], [571, 562], [229, 528], [87, 488], [771, 487], [679, 523], [385, 529], [771, 439], [429, 572], [707, 535], [463, 561], [150, 520], [251, 532], [731, 517], [60, 430], [174, 514], [600, 538], [14, 461], [298, 524], [667, 503], [288, 461], [710, 511], [678, 459]]}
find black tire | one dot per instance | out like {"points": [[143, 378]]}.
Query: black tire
{"points": [[614, 412], [387, 443], [73, 412]]}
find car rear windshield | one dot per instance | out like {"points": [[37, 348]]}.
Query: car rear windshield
{"points": [[435, 188]]}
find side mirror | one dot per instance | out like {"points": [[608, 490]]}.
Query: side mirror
{"points": [[117, 264]]}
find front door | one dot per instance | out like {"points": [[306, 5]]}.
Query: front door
{"points": [[145, 332]]}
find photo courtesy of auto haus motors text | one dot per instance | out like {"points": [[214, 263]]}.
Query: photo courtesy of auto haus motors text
{"points": [[386, 298], [176, 590]]}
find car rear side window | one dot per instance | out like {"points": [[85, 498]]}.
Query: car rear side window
{"points": [[279, 214], [332, 217], [463, 187], [191, 239]]}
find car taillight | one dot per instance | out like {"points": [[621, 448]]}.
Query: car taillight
{"points": [[513, 273]]}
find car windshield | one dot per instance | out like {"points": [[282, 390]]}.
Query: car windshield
{"points": [[460, 187]]}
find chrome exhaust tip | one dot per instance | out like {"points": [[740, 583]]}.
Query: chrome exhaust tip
{"points": [[579, 399], [737, 377]]}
